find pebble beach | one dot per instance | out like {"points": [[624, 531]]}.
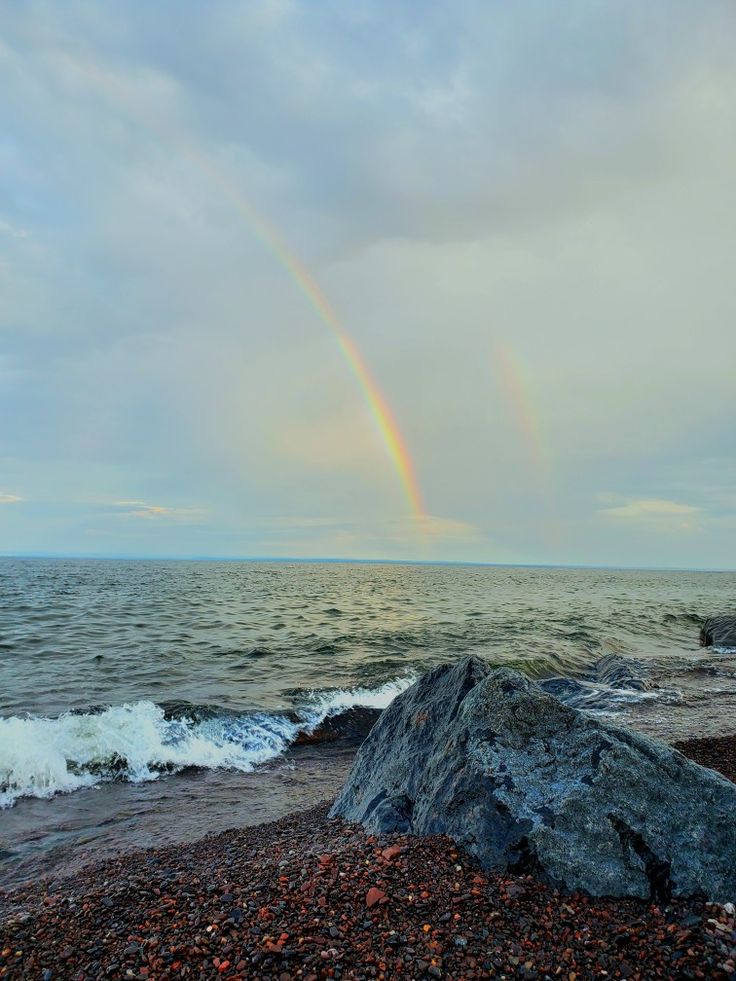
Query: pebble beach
{"points": [[311, 897], [367, 491]]}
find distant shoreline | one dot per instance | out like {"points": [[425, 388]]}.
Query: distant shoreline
{"points": [[321, 560]]}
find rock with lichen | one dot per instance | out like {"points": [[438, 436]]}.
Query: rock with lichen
{"points": [[529, 784]]}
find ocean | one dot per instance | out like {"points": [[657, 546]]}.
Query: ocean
{"points": [[148, 702]]}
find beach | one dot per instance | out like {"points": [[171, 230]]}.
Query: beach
{"points": [[234, 693], [367, 491], [184, 726], [312, 897]]}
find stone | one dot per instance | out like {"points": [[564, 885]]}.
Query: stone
{"points": [[602, 685], [528, 784], [719, 631], [374, 896]]}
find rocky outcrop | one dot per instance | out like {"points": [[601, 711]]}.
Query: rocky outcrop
{"points": [[527, 783], [719, 631]]}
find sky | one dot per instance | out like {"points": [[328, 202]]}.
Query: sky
{"points": [[394, 280]]}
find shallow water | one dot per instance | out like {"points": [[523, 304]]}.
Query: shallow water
{"points": [[143, 689]]}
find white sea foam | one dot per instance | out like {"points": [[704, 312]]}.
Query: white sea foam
{"points": [[328, 704], [40, 757]]}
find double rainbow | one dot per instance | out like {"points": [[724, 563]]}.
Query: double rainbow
{"points": [[380, 410]]}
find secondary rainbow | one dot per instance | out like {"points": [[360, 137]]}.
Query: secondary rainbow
{"points": [[378, 405], [518, 397]]}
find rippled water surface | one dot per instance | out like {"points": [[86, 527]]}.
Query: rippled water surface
{"points": [[126, 685]]}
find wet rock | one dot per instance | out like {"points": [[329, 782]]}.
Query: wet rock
{"points": [[526, 783], [719, 631], [604, 685]]}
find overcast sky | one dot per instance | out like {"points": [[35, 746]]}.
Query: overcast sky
{"points": [[524, 215]]}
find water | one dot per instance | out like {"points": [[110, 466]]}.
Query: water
{"points": [[226, 693]]}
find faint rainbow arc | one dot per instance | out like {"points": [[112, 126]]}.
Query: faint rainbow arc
{"points": [[381, 412], [518, 398]]}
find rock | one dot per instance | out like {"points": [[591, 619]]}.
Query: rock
{"points": [[719, 631], [603, 685], [526, 783], [374, 896]]}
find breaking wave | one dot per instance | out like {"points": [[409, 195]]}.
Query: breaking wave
{"points": [[41, 757], [141, 741]]}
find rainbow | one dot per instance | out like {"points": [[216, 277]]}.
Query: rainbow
{"points": [[380, 410], [518, 397], [378, 405]]}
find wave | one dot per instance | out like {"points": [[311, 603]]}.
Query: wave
{"points": [[138, 742], [603, 699], [609, 686]]}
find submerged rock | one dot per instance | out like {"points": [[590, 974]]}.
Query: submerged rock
{"points": [[526, 783], [605, 685], [719, 631]]}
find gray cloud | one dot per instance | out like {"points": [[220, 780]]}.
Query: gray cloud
{"points": [[553, 179]]}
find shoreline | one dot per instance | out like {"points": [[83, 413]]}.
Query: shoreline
{"points": [[309, 897]]}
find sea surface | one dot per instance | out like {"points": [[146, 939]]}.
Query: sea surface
{"points": [[145, 702]]}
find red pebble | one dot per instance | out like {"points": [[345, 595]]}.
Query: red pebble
{"points": [[374, 896]]}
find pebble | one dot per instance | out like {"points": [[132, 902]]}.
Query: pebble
{"points": [[234, 906], [374, 896]]}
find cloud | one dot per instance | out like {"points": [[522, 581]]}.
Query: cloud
{"points": [[413, 537], [654, 510], [6, 498], [414, 526], [291, 521], [157, 512], [7, 228], [556, 176], [444, 528]]}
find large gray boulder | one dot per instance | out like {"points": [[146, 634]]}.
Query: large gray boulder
{"points": [[526, 783], [719, 631]]}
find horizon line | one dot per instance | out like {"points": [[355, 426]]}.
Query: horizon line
{"points": [[336, 560]]}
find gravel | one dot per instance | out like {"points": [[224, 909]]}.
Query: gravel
{"points": [[718, 753], [310, 898]]}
